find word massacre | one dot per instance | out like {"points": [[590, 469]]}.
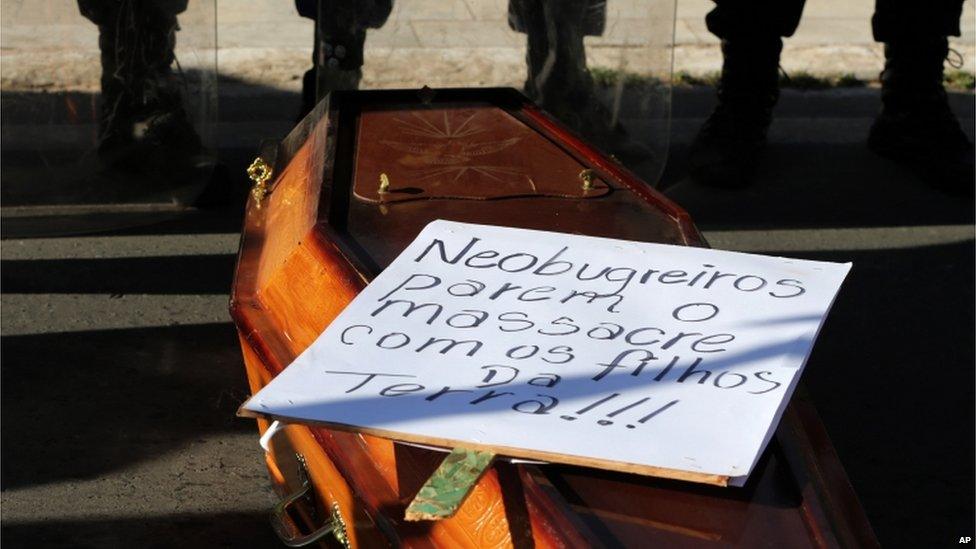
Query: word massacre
{"points": [[678, 356]]}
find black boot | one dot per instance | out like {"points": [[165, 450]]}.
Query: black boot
{"points": [[916, 127], [726, 151]]}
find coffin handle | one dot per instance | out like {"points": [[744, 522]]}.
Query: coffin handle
{"points": [[271, 431], [287, 529]]}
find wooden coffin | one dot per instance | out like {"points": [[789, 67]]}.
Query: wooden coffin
{"points": [[356, 182]]}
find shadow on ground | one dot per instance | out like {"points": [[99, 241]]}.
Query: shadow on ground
{"points": [[892, 373], [83, 405], [893, 379], [817, 170], [893, 370], [247, 530]]}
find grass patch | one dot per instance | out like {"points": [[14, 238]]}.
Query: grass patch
{"points": [[683, 78], [959, 80], [607, 78], [848, 80], [805, 81]]}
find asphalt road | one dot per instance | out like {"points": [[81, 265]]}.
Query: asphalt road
{"points": [[121, 370]]}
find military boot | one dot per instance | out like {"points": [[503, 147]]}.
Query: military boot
{"points": [[916, 127], [726, 151]]}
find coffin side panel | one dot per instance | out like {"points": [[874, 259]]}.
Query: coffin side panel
{"points": [[308, 290], [293, 279], [291, 208], [330, 486]]}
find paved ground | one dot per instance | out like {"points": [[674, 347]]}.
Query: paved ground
{"points": [[121, 370], [435, 42]]}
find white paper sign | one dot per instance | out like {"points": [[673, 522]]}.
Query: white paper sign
{"points": [[567, 348]]}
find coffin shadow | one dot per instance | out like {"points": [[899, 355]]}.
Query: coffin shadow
{"points": [[177, 530], [79, 405], [169, 275]]}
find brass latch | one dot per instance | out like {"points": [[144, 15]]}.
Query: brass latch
{"points": [[586, 176], [260, 173]]}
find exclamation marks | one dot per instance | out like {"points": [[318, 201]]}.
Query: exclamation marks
{"points": [[622, 410], [654, 413], [585, 409], [618, 411]]}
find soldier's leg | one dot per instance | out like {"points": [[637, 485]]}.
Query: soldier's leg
{"points": [[558, 78], [726, 150], [115, 108], [896, 20], [340, 40], [563, 82], [164, 112], [310, 10], [916, 125], [555, 56], [527, 16], [142, 105]]}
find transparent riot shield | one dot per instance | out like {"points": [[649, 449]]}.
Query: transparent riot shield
{"points": [[602, 67], [107, 106]]}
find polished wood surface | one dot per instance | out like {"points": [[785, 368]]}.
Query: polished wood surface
{"points": [[464, 151], [290, 284], [279, 318]]}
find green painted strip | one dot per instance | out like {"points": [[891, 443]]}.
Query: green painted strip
{"points": [[445, 490]]}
